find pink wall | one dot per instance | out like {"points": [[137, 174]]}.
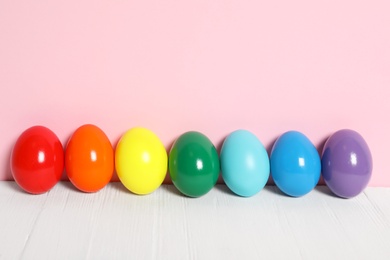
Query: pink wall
{"points": [[212, 66]]}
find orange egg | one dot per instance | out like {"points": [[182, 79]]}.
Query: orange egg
{"points": [[89, 159]]}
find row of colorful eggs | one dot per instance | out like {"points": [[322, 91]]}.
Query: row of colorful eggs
{"points": [[141, 162]]}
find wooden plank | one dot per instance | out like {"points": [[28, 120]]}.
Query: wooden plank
{"points": [[115, 224]]}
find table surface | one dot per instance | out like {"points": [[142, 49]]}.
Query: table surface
{"points": [[116, 224]]}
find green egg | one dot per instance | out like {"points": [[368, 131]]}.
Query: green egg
{"points": [[193, 164]]}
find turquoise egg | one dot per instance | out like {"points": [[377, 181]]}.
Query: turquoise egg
{"points": [[244, 163], [295, 164]]}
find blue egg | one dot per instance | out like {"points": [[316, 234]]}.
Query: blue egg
{"points": [[295, 164], [244, 163]]}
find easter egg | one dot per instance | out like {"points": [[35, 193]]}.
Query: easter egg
{"points": [[37, 160], [89, 158], [346, 163], [193, 164], [295, 164], [244, 163], [141, 161]]}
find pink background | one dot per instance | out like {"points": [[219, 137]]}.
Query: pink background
{"points": [[212, 66]]}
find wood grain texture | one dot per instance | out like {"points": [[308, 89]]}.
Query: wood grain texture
{"points": [[115, 224]]}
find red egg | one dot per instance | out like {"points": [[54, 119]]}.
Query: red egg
{"points": [[37, 160]]}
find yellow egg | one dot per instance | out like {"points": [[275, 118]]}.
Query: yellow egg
{"points": [[141, 161]]}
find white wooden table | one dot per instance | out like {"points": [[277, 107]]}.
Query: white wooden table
{"points": [[115, 224]]}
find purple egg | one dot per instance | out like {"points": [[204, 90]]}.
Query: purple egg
{"points": [[346, 163]]}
